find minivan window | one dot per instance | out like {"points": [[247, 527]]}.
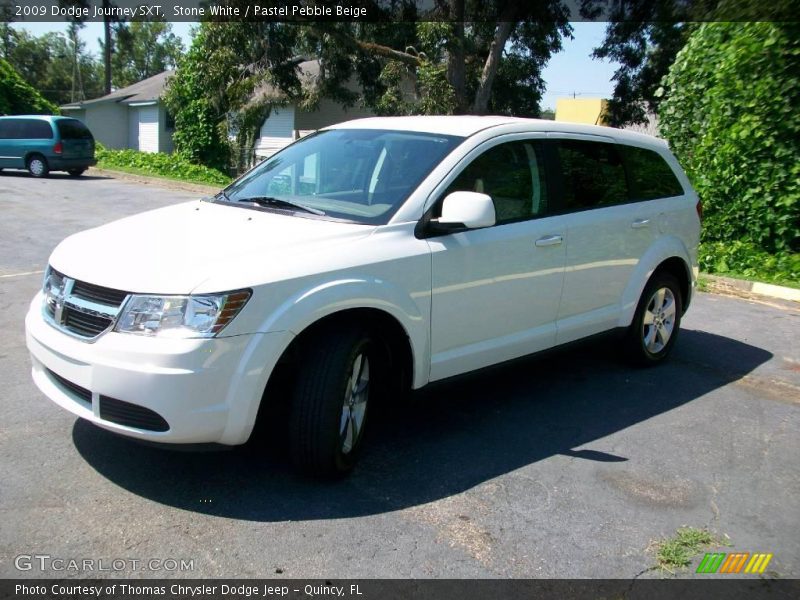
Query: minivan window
{"points": [[592, 174], [25, 129], [361, 175], [512, 175], [10, 129], [649, 174], [35, 130], [72, 129]]}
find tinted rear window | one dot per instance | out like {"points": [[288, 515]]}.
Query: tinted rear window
{"points": [[72, 129], [592, 174], [25, 129], [650, 175]]}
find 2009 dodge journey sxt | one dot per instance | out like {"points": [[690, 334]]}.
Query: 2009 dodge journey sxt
{"points": [[370, 256]]}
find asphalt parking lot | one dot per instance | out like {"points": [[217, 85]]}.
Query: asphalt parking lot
{"points": [[565, 466]]}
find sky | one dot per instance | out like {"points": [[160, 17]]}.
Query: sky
{"points": [[571, 71]]}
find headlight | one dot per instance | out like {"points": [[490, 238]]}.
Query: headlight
{"points": [[53, 288], [180, 316]]}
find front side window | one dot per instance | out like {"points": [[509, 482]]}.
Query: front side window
{"points": [[512, 174], [592, 175], [11, 129], [360, 175]]}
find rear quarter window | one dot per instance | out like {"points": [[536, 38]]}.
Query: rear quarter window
{"points": [[649, 174]]}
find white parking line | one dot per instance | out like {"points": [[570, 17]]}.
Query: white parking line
{"points": [[21, 274]]}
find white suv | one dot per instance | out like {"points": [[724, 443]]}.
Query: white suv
{"points": [[372, 256]]}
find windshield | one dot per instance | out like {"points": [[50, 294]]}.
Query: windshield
{"points": [[361, 175]]}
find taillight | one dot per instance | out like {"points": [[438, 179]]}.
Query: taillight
{"points": [[58, 148], [699, 208]]}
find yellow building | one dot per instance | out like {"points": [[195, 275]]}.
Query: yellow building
{"points": [[590, 111]]}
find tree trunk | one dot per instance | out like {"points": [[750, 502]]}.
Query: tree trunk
{"points": [[501, 35], [455, 57]]}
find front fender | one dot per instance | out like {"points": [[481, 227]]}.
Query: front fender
{"points": [[664, 248], [306, 307]]}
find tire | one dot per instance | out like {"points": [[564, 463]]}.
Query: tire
{"points": [[329, 406], [655, 325], [76, 172], [37, 166]]}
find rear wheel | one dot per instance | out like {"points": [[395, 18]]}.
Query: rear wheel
{"points": [[37, 166], [655, 326], [330, 402], [76, 172]]}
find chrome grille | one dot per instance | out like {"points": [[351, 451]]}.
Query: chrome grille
{"points": [[85, 324], [79, 308], [96, 293]]}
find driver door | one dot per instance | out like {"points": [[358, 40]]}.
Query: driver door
{"points": [[496, 291]]}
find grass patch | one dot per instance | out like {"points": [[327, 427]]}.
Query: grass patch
{"points": [[677, 552], [156, 164]]}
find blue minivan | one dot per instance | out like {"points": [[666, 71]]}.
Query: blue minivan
{"points": [[44, 143]]}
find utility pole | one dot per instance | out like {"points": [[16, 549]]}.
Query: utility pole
{"points": [[107, 44]]}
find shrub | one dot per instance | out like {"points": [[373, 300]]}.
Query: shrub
{"points": [[730, 114], [172, 166], [744, 259]]}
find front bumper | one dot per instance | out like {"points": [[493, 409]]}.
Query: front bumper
{"points": [[207, 390]]}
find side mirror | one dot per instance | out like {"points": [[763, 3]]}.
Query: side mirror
{"points": [[462, 211]]}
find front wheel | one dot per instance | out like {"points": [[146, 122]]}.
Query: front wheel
{"points": [[332, 392], [655, 326]]}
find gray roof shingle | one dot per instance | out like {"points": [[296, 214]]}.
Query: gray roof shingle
{"points": [[147, 90]]}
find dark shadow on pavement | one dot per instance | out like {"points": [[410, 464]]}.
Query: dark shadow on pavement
{"points": [[446, 440]]}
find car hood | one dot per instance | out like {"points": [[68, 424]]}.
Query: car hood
{"points": [[175, 250]]}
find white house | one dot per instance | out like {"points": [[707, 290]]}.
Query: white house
{"points": [[131, 117], [135, 116], [288, 122]]}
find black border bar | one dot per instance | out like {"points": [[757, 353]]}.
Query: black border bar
{"points": [[401, 10], [731, 588]]}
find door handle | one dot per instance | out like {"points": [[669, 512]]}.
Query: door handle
{"points": [[640, 223], [549, 240]]}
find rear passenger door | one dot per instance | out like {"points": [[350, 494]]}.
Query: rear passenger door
{"points": [[606, 233]]}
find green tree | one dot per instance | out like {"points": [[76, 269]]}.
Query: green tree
{"points": [[492, 63], [730, 114], [143, 49], [17, 97], [58, 66], [644, 37], [219, 74]]}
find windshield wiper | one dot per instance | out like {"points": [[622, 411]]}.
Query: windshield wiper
{"points": [[271, 201]]}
